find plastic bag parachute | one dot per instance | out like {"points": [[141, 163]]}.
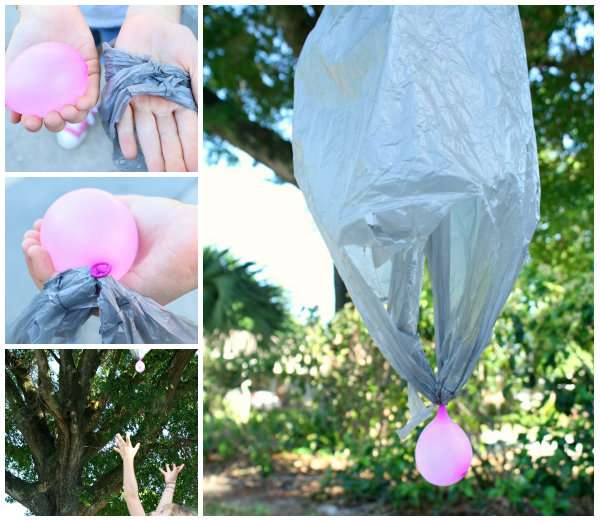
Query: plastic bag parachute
{"points": [[414, 141], [139, 354]]}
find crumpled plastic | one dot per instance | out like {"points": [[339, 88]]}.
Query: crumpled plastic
{"points": [[68, 300], [413, 140], [128, 75]]}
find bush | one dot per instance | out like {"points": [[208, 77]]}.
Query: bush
{"points": [[528, 406]]}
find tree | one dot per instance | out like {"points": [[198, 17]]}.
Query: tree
{"points": [[234, 299], [64, 407], [249, 57]]}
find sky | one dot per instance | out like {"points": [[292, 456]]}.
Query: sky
{"points": [[269, 224]]}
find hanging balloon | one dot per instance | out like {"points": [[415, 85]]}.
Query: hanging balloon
{"points": [[92, 228], [399, 164], [139, 354], [443, 453]]}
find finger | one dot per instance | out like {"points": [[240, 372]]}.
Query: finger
{"points": [[31, 123], [147, 133], [126, 133], [137, 446], [90, 97], [15, 117], [170, 143], [71, 114], [37, 225], [119, 439], [129, 439], [54, 122], [34, 234], [187, 128], [28, 242]]}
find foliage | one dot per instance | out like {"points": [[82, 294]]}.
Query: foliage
{"points": [[529, 403], [235, 299], [342, 399], [122, 401]]}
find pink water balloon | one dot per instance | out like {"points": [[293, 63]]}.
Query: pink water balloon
{"points": [[90, 228], [44, 78], [443, 453]]}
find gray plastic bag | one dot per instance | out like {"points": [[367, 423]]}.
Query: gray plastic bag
{"points": [[413, 139], [128, 75], [126, 317]]}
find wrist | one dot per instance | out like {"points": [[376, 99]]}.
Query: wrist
{"points": [[169, 13], [48, 13]]}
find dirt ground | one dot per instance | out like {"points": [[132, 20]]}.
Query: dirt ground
{"points": [[291, 489], [294, 489]]}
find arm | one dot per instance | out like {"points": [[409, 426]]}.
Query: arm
{"points": [[172, 13], [130, 487], [170, 476]]}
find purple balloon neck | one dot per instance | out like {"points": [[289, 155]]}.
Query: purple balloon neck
{"points": [[442, 414], [100, 270]]}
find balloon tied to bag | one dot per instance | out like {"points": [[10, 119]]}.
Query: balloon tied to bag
{"points": [[402, 167]]}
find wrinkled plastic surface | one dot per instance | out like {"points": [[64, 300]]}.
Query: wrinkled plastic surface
{"points": [[128, 75], [126, 317], [413, 139], [45, 77]]}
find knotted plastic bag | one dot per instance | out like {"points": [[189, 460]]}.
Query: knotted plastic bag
{"points": [[413, 140], [128, 75], [68, 300]]}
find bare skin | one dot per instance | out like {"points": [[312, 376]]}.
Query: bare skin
{"points": [[166, 266], [59, 24], [167, 133], [130, 487]]}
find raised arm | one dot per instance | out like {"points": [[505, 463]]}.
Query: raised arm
{"points": [[170, 475], [130, 487]]}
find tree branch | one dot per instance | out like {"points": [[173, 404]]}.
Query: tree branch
{"points": [[88, 365], [150, 428], [31, 495], [225, 119], [295, 22], [46, 391], [32, 426]]}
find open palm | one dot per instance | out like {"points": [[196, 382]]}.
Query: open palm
{"points": [[63, 24], [167, 132], [166, 266]]}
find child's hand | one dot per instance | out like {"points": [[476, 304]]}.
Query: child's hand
{"points": [[170, 474], [167, 132], [166, 266], [37, 258], [56, 24], [125, 448]]}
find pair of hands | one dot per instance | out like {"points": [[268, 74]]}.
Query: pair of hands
{"points": [[167, 133], [127, 451], [166, 266]]}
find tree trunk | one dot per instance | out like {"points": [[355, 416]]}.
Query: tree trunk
{"points": [[341, 292]]}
